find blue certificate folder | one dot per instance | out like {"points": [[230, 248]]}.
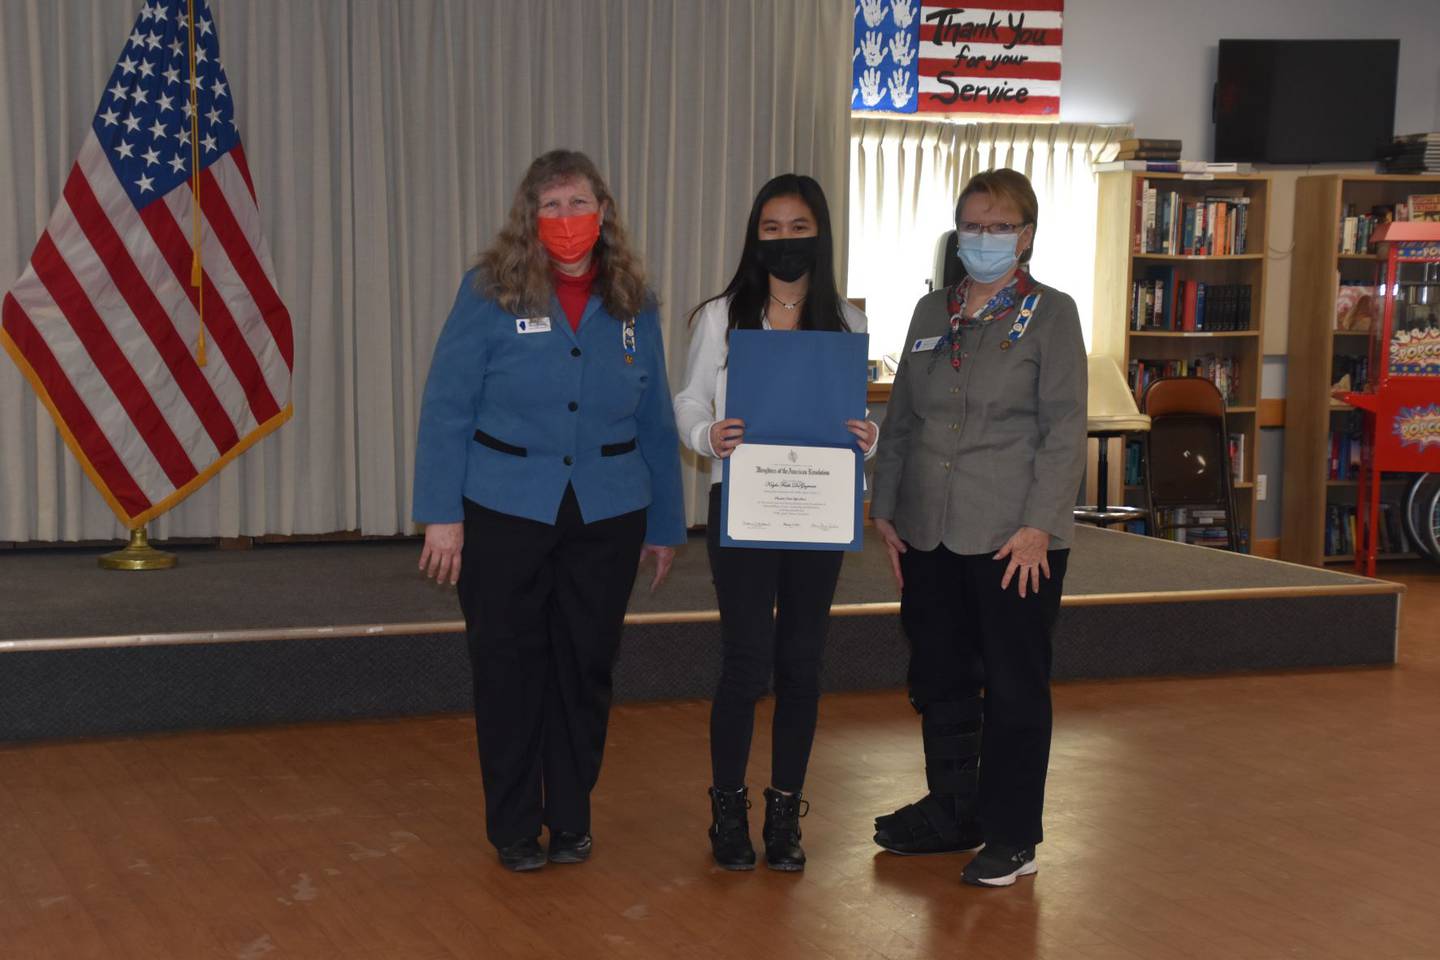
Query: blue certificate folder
{"points": [[797, 386]]}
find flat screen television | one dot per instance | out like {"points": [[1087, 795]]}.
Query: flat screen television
{"points": [[1305, 101]]}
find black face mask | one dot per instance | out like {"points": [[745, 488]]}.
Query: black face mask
{"points": [[789, 258]]}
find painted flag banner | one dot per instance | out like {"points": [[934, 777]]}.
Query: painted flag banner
{"points": [[1001, 58], [105, 321]]}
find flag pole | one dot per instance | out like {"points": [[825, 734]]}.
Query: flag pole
{"points": [[138, 555], [196, 270]]}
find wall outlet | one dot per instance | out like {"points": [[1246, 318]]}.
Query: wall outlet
{"points": [[1262, 486]]}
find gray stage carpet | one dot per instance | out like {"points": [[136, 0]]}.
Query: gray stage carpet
{"points": [[60, 592], [175, 661]]}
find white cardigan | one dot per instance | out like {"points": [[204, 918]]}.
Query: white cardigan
{"points": [[702, 402]]}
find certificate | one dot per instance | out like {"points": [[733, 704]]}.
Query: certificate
{"points": [[791, 494], [797, 479]]}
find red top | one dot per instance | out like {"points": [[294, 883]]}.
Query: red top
{"points": [[574, 292]]}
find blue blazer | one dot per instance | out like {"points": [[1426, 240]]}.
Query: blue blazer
{"points": [[516, 408]]}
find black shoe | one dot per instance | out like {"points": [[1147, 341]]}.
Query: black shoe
{"points": [[936, 824], [730, 829], [522, 855], [567, 847], [999, 866], [782, 830], [945, 820]]}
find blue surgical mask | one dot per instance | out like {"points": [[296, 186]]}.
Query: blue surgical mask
{"points": [[987, 257]]}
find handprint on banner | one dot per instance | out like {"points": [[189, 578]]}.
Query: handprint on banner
{"points": [[870, 91], [900, 50], [874, 11], [900, 90], [904, 12], [873, 47]]}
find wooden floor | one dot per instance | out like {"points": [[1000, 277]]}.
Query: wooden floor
{"points": [[1238, 818]]}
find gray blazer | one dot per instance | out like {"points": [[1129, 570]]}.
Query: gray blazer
{"points": [[972, 456]]}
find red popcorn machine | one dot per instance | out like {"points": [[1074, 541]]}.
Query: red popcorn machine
{"points": [[1401, 398]]}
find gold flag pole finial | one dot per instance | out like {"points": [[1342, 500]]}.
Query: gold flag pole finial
{"points": [[138, 555], [196, 270]]}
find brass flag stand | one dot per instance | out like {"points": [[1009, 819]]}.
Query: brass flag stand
{"points": [[138, 555]]}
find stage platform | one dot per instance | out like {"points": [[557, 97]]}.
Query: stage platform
{"points": [[282, 634]]}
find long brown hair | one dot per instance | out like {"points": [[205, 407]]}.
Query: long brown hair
{"points": [[515, 270]]}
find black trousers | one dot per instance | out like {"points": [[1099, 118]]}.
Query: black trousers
{"points": [[968, 636], [774, 611], [544, 606]]}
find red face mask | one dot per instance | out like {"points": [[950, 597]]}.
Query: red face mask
{"points": [[569, 239]]}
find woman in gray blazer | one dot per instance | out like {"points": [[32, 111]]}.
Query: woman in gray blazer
{"points": [[974, 486]]}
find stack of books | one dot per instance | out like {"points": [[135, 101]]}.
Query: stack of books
{"points": [[1160, 156], [1412, 153]]}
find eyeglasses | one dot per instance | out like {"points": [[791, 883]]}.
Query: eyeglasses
{"points": [[969, 228]]}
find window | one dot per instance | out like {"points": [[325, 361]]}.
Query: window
{"points": [[905, 176]]}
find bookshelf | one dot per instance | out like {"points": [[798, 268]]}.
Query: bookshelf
{"points": [[1317, 352], [1119, 266]]}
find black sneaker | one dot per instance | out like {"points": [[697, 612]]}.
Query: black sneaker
{"points": [[567, 847], [999, 866], [522, 855]]}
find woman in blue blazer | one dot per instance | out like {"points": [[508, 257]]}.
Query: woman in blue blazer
{"points": [[547, 465]]}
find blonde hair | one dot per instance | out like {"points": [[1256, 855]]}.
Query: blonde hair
{"points": [[1005, 186], [515, 269]]}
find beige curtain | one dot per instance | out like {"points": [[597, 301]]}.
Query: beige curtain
{"points": [[905, 176], [386, 139]]}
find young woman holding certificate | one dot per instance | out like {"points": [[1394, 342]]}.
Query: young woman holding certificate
{"points": [[774, 604], [984, 451]]}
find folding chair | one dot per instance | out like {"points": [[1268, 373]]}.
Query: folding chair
{"points": [[1187, 459]]}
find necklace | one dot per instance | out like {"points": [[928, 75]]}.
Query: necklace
{"points": [[788, 306]]}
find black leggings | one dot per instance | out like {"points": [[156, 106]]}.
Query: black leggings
{"points": [[750, 586]]}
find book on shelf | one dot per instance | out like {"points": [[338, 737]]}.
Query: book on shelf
{"points": [[1202, 526], [1424, 207], [1170, 223], [1350, 372], [1162, 300], [1412, 153], [1142, 166], [1140, 149], [1170, 165], [1222, 371], [1357, 229], [1355, 307], [1150, 143], [1340, 523], [1155, 155], [1134, 462], [1235, 447], [1346, 446]]}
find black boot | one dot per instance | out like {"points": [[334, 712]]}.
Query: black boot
{"points": [[945, 820], [730, 829], [782, 830]]}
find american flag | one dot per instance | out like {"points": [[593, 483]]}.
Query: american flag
{"points": [[105, 321], [1000, 58]]}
